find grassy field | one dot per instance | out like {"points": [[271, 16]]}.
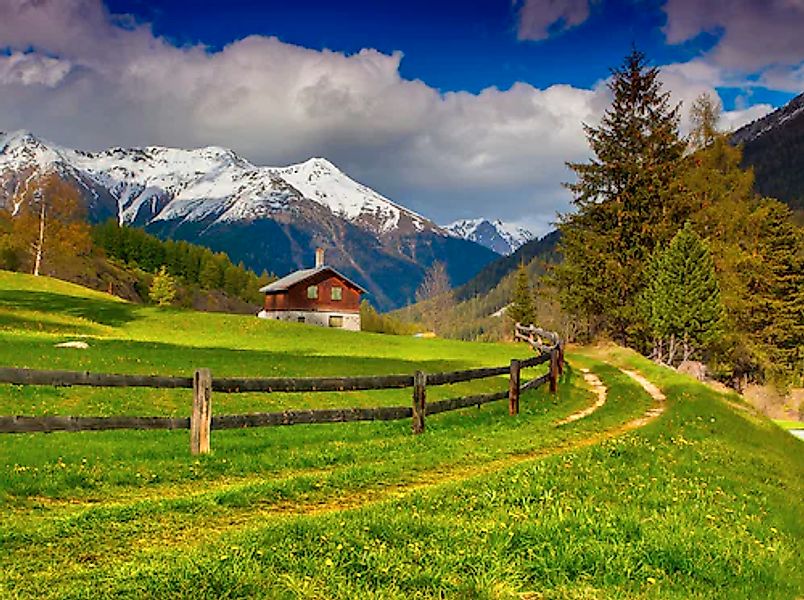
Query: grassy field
{"points": [[789, 424], [702, 502]]}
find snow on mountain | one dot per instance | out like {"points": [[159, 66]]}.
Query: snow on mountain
{"points": [[162, 184], [321, 181], [502, 238], [756, 129]]}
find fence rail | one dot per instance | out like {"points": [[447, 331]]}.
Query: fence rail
{"points": [[203, 384]]}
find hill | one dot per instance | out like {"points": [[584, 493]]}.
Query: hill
{"points": [[493, 273], [269, 218], [774, 147], [478, 310], [692, 495]]}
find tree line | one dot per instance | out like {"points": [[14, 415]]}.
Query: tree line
{"points": [[669, 249], [47, 232], [189, 263]]}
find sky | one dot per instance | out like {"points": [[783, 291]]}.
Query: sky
{"points": [[454, 109]]}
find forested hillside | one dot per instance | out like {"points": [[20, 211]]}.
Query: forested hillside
{"points": [[50, 236], [623, 269], [774, 147]]}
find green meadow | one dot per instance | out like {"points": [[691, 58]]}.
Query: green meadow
{"points": [[703, 501]]}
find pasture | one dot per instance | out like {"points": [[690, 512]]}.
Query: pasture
{"points": [[703, 501]]}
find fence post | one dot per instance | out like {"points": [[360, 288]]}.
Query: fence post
{"points": [[560, 358], [513, 388], [419, 401], [201, 417], [553, 371]]}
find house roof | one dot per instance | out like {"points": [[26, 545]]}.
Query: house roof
{"points": [[288, 281]]}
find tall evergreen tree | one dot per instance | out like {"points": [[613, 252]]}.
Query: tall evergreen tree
{"points": [[774, 319], [521, 309], [682, 298], [624, 200]]}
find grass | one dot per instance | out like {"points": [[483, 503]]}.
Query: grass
{"points": [[789, 424], [703, 502]]}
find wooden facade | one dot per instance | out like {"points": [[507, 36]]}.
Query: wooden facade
{"points": [[297, 298]]}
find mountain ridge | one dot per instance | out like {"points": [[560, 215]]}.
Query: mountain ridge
{"points": [[774, 147], [502, 238], [268, 217]]}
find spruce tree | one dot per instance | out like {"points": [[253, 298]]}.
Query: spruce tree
{"points": [[521, 309], [624, 201], [682, 299]]}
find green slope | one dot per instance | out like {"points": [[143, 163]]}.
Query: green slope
{"points": [[702, 502]]}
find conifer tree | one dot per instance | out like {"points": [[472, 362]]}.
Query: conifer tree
{"points": [[776, 293], [624, 200], [682, 299], [521, 309], [163, 288]]}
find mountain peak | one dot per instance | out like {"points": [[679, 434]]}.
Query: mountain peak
{"points": [[502, 238]]}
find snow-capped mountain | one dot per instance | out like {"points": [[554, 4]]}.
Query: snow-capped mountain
{"points": [[502, 238], [157, 183], [269, 217], [772, 121]]}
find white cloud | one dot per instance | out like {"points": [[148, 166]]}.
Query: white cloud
{"points": [[538, 19], [91, 83], [77, 77], [753, 36], [755, 33]]}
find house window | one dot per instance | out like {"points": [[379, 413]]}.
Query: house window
{"points": [[337, 293], [312, 292], [300, 319], [335, 321]]}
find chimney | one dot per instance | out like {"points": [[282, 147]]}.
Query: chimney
{"points": [[319, 257]]}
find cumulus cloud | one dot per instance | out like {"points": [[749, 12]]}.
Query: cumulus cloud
{"points": [[752, 35], [538, 19], [689, 80], [85, 78]]}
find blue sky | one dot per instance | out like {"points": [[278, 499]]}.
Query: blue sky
{"points": [[454, 109]]}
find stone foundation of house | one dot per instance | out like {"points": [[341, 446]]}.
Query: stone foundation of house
{"points": [[339, 320]]}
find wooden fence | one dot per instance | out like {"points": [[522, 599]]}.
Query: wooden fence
{"points": [[203, 384]]}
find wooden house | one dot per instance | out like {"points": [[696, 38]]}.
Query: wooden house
{"points": [[318, 296]]}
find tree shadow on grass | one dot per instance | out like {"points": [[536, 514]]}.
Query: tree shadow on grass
{"points": [[105, 312]]}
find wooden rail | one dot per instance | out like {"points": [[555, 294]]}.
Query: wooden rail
{"points": [[203, 384], [234, 385]]}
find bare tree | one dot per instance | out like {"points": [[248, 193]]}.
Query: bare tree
{"points": [[435, 295], [49, 224]]}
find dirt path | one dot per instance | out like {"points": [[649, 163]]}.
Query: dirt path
{"points": [[654, 392], [177, 530], [599, 390]]}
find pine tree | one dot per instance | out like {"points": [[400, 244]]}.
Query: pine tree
{"points": [[776, 293], [163, 288], [625, 202], [521, 309], [757, 251], [682, 299]]}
